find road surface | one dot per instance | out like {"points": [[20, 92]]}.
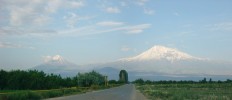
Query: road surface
{"points": [[125, 92]]}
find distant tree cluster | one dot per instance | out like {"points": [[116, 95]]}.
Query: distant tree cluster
{"points": [[33, 79], [204, 80]]}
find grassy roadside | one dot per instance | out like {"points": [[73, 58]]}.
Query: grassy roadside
{"points": [[42, 94], [208, 91]]}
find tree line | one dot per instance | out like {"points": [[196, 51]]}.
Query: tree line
{"points": [[204, 80], [34, 80]]}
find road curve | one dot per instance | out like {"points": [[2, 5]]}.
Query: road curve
{"points": [[125, 92]]}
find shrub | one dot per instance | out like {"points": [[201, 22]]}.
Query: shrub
{"points": [[23, 96]]}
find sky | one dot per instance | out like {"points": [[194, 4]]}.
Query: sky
{"points": [[93, 31]]}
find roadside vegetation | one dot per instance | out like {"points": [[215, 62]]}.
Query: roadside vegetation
{"points": [[33, 84], [185, 90]]}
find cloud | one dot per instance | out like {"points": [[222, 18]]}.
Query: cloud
{"points": [[52, 6], [137, 29], [149, 11], [41, 20], [12, 45], [75, 4], [110, 23], [36, 12], [89, 30], [72, 19], [7, 30], [141, 2], [9, 45], [226, 26], [125, 48], [113, 10]]}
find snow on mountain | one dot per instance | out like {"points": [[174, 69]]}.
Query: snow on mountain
{"points": [[58, 65], [162, 53], [56, 59]]}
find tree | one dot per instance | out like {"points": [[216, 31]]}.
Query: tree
{"points": [[3, 79], [203, 81], [210, 80], [33, 79], [91, 78], [123, 76], [112, 82], [139, 81]]}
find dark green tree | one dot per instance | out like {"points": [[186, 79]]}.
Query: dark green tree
{"points": [[90, 78], [210, 80], [3, 79], [113, 82], [123, 76]]}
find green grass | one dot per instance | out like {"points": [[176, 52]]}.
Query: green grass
{"points": [[38, 94], [42, 94], [197, 91]]}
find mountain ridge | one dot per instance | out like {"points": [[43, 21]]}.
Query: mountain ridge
{"points": [[158, 61]]}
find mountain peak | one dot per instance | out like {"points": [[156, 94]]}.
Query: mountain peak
{"points": [[160, 53], [52, 59], [57, 58]]}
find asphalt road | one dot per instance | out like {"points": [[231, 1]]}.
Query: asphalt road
{"points": [[125, 92]]}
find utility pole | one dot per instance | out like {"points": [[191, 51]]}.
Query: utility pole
{"points": [[106, 80]]}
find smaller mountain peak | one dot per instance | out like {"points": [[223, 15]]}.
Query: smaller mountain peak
{"points": [[57, 58]]}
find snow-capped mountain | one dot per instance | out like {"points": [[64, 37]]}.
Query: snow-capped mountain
{"points": [[162, 53], [58, 65], [157, 63], [160, 60]]}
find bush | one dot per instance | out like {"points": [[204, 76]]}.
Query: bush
{"points": [[50, 94], [23, 96], [94, 87]]}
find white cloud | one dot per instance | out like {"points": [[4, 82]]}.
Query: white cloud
{"points": [[149, 11], [137, 29], [141, 2], [88, 30], [110, 23], [113, 10], [133, 29], [36, 12]]}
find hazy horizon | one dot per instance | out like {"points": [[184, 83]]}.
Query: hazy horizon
{"points": [[86, 32]]}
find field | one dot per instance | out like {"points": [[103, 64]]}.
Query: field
{"points": [[187, 91], [42, 94]]}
